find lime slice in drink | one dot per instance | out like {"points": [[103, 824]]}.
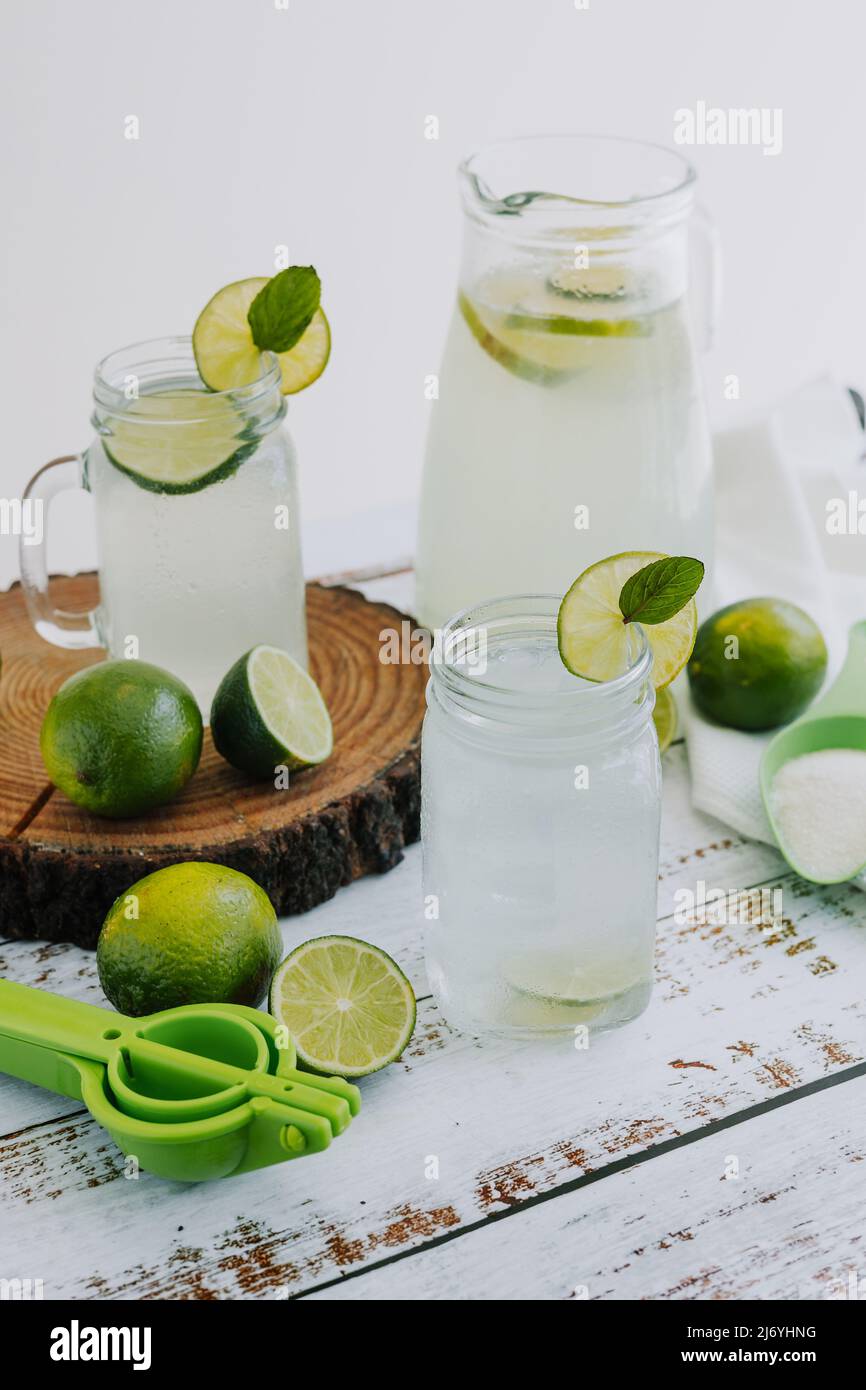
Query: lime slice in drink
{"points": [[539, 331], [346, 1004], [572, 326], [665, 718], [268, 712], [596, 644], [227, 357], [601, 281], [547, 993], [563, 982], [178, 441], [542, 362]]}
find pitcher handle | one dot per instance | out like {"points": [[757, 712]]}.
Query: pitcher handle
{"points": [[56, 625], [705, 276]]}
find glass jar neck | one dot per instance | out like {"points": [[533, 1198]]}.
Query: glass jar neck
{"points": [[496, 670], [157, 383]]}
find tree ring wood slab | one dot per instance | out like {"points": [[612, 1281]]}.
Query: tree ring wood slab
{"points": [[61, 868]]}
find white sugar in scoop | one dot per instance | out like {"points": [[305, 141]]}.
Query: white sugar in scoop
{"points": [[813, 777], [818, 804]]}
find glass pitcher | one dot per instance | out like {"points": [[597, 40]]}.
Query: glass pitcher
{"points": [[570, 423], [197, 520]]}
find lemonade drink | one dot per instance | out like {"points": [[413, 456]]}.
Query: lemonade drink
{"points": [[540, 822], [569, 426], [196, 573]]}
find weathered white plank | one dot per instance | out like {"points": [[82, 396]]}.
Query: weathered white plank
{"points": [[769, 1209], [389, 918], [387, 910], [741, 1015]]}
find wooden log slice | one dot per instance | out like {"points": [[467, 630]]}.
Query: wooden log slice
{"points": [[61, 868]]}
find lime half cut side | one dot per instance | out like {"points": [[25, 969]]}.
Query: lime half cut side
{"points": [[347, 1005], [596, 644], [269, 712], [226, 356], [178, 441]]}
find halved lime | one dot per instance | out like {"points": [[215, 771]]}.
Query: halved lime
{"points": [[348, 1007], [595, 642], [227, 357], [665, 718], [178, 441], [268, 712]]}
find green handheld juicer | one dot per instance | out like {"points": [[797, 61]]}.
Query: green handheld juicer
{"points": [[193, 1093]]}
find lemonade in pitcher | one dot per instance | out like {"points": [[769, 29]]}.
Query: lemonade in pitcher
{"points": [[569, 423]]}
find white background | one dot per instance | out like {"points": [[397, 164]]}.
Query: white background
{"points": [[305, 126]]}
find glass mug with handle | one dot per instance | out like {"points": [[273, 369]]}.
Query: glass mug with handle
{"points": [[570, 422], [197, 519]]}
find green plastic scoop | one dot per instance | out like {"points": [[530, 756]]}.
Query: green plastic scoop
{"points": [[193, 1093], [836, 720]]}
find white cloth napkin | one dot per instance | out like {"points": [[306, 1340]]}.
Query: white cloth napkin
{"points": [[773, 481]]}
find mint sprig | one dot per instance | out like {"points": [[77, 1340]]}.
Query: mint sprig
{"points": [[283, 309], [660, 590]]}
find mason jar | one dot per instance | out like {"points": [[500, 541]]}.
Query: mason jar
{"points": [[541, 798], [197, 519]]}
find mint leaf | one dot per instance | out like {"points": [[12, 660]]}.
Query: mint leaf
{"points": [[660, 590], [283, 309]]}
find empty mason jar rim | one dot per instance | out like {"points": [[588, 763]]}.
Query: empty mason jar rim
{"points": [[152, 359], [588, 699]]}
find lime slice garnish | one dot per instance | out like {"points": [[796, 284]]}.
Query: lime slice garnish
{"points": [[227, 357], [348, 1007], [268, 712], [665, 718], [178, 441], [596, 644], [308, 358]]}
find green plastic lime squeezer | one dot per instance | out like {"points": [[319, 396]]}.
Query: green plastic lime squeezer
{"points": [[198, 1092]]}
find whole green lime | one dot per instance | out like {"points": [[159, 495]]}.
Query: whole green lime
{"points": [[121, 738], [757, 664], [192, 933]]}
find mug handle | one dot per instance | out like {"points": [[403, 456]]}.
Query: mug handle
{"points": [[56, 625]]}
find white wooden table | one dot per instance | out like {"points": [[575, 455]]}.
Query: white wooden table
{"points": [[713, 1149]]}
